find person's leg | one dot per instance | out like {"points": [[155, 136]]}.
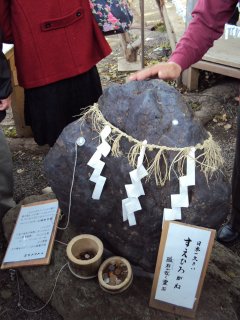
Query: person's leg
{"points": [[231, 230], [6, 177]]}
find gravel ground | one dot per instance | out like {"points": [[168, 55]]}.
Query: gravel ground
{"points": [[29, 179]]}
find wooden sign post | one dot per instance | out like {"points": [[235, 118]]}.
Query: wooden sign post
{"points": [[17, 96], [182, 262]]}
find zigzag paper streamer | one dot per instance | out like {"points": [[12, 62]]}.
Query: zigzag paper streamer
{"points": [[134, 190], [182, 199], [102, 150]]}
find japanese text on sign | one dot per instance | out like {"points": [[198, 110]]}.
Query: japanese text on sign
{"points": [[32, 233], [182, 264]]}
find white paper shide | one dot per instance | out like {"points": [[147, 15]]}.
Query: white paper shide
{"points": [[134, 190], [102, 150], [182, 200]]}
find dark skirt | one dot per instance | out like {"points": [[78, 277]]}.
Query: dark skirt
{"points": [[48, 109]]}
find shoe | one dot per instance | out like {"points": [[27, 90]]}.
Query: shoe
{"points": [[227, 233]]}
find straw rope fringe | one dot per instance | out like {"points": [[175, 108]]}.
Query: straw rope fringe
{"points": [[209, 158]]}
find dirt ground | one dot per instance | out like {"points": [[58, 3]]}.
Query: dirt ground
{"points": [[30, 178]]}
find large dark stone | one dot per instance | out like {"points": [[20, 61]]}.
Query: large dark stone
{"points": [[75, 299], [144, 110]]}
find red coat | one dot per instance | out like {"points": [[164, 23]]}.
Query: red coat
{"points": [[53, 39]]}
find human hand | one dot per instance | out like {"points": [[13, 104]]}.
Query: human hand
{"points": [[165, 71], [5, 103]]}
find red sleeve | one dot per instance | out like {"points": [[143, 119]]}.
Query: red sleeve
{"points": [[5, 20], [207, 25]]}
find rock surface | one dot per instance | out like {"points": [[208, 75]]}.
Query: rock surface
{"points": [[213, 99], [83, 299], [144, 110]]}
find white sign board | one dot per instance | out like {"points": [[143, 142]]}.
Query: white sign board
{"points": [[183, 255], [32, 233]]}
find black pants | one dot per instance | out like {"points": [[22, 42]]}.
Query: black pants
{"points": [[235, 219]]}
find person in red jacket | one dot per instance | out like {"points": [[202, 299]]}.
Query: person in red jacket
{"points": [[207, 25], [6, 173], [57, 45]]}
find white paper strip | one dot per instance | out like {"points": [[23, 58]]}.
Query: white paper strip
{"points": [[168, 214], [134, 190], [95, 158], [171, 214], [138, 174], [181, 200], [132, 205], [98, 188], [96, 173], [102, 150], [177, 213], [191, 167], [105, 132], [129, 206], [142, 153], [131, 219], [124, 210]]}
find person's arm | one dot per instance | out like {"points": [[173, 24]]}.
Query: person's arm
{"points": [[207, 25]]}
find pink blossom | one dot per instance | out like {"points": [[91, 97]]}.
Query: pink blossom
{"points": [[111, 18], [107, 27]]}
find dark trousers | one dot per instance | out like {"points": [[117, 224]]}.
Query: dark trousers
{"points": [[234, 19], [235, 219]]}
